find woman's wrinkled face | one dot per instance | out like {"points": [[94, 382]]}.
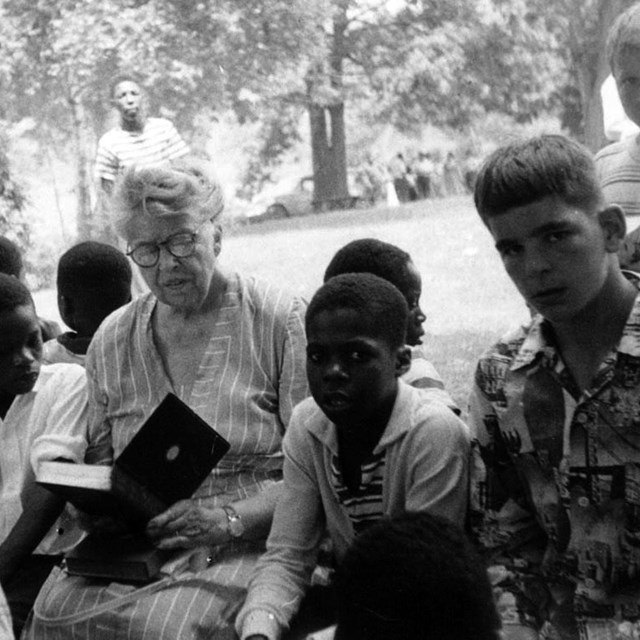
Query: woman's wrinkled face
{"points": [[180, 282]]}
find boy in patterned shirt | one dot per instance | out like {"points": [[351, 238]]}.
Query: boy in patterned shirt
{"points": [[365, 445], [556, 404]]}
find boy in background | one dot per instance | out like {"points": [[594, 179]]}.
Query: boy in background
{"points": [[555, 404], [43, 416], [364, 446], [93, 280], [618, 164], [385, 260], [12, 264]]}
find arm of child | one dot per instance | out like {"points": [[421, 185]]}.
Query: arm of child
{"points": [[435, 459], [283, 573], [40, 510]]}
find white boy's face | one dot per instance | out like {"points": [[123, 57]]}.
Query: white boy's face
{"points": [[627, 75], [555, 254]]}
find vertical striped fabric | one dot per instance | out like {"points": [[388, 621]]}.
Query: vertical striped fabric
{"points": [[251, 375], [118, 149]]}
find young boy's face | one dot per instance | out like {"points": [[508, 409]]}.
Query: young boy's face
{"points": [[127, 98], [627, 75], [352, 371], [415, 331], [557, 255], [20, 350]]}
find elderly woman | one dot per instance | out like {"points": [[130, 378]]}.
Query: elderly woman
{"points": [[233, 349]]}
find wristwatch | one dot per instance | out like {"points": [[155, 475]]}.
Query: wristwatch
{"points": [[235, 528]]}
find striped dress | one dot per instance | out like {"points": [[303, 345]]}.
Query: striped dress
{"points": [[251, 375], [118, 149]]}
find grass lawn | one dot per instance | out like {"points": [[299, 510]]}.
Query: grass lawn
{"points": [[468, 298]]}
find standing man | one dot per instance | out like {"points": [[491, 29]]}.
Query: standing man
{"points": [[555, 408], [138, 140]]}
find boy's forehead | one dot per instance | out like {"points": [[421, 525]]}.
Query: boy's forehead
{"points": [[343, 323], [529, 217]]}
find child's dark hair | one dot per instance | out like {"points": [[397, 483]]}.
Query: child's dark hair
{"points": [[623, 33], [414, 576], [13, 293], [96, 274], [10, 258], [521, 173], [368, 255], [379, 303]]}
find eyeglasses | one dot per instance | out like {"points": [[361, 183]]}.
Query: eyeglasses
{"points": [[180, 245]]}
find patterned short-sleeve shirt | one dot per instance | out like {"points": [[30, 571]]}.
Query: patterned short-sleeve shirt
{"points": [[556, 484]]}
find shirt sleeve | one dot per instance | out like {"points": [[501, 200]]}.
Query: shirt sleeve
{"points": [[292, 384], [501, 525], [436, 454], [284, 571], [176, 147], [107, 163], [65, 430], [100, 450]]}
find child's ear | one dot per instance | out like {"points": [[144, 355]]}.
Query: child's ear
{"points": [[403, 360], [65, 307], [613, 223]]}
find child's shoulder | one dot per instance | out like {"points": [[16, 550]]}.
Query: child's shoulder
{"points": [[418, 411], [616, 151], [60, 375]]}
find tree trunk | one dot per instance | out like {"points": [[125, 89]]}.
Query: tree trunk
{"points": [[83, 181], [328, 138], [591, 64], [329, 157]]}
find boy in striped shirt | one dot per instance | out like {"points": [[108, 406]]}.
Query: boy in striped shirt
{"points": [[365, 445]]}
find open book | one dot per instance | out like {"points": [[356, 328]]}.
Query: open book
{"points": [[166, 461]]}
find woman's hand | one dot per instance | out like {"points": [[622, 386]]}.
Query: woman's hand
{"points": [[186, 525]]}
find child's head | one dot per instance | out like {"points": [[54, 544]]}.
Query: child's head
{"points": [[414, 576], [389, 262], [20, 339], [10, 258], [548, 166], [541, 201], [128, 97], [94, 279], [623, 53], [356, 349]]}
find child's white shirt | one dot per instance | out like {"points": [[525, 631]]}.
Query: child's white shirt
{"points": [[48, 422]]}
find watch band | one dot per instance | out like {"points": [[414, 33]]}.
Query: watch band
{"points": [[235, 527]]}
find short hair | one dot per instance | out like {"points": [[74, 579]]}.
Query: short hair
{"points": [[380, 305], [10, 258], [95, 274], [183, 186], [414, 576], [124, 77], [368, 255], [524, 172], [623, 33], [13, 293]]}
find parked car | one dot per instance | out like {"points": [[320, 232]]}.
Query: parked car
{"points": [[298, 202], [295, 203]]}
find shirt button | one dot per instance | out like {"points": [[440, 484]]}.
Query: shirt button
{"points": [[583, 501], [590, 583]]}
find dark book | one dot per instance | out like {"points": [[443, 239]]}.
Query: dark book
{"points": [[129, 558], [166, 461]]}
